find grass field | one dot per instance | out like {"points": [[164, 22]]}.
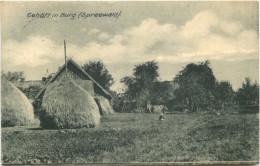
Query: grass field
{"points": [[138, 138]]}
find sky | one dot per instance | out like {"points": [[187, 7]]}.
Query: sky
{"points": [[173, 34]]}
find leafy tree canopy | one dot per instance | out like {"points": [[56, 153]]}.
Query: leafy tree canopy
{"points": [[200, 74], [140, 85], [31, 91], [14, 76], [224, 92], [99, 72], [248, 94], [196, 84], [146, 72], [163, 92]]}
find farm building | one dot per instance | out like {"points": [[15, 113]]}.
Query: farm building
{"points": [[84, 80]]}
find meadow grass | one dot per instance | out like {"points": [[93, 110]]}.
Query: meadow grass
{"points": [[129, 137]]}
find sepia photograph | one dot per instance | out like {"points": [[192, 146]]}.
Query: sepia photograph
{"points": [[139, 82]]}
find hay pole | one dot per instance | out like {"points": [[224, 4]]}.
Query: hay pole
{"points": [[65, 56]]}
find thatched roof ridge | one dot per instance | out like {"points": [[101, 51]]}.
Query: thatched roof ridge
{"points": [[60, 70], [92, 79]]}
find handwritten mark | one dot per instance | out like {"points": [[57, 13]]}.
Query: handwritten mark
{"points": [[72, 16], [27, 24], [97, 15]]}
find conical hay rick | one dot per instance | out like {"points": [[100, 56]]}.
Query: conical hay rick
{"points": [[104, 105], [67, 105], [15, 106]]}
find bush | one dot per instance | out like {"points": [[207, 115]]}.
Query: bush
{"points": [[117, 101], [31, 91], [247, 97], [139, 110]]}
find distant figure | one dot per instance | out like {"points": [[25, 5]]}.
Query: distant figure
{"points": [[149, 108], [161, 117], [164, 109]]}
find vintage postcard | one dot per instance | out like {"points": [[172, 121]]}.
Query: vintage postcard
{"points": [[155, 82]]}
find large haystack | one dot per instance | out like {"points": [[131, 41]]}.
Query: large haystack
{"points": [[66, 105], [104, 105], [16, 108]]}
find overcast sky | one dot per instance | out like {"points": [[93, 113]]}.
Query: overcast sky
{"points": [[171, 33]]}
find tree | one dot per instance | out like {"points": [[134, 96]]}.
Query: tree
{"points": [[196, 85], [163, 93], [140, 85], [248, 95], [224, 94], [98, 71], [117, 100], [132, 88], [14, 76], [146, 73], [31, 91]]}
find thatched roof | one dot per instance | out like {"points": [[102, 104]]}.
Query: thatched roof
{"points": [[86, 85], [66, 105], [16, 108], [105, 93]]}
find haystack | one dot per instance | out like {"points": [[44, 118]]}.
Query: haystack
{"points": [[86, 85], [16, 108], [104, 105], [66, 105]]}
